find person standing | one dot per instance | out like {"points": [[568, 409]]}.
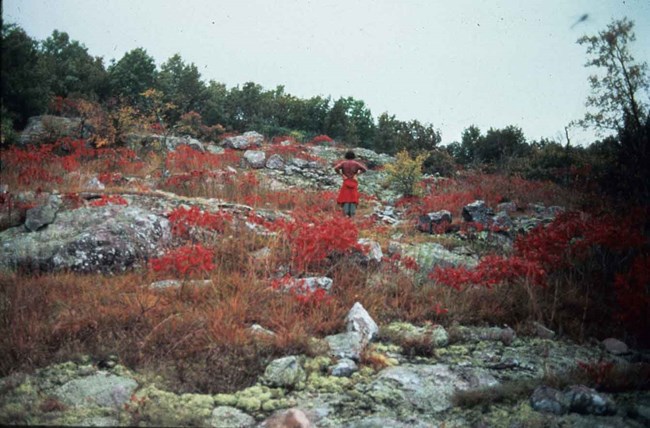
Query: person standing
{"points": [[348, 197]]}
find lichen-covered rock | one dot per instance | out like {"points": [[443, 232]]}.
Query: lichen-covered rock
{"points": [[284, 372], [172, 143], [255, 158], [245, 141], [110, 238], [588, 401], [374, 254], [422, 388], [477, 212], [227, 417], [344, 368], [41, 216], [101, 389], [48, 128], [275, 162], [405, 331], [346, 345], [549, 400], [615, 346]]}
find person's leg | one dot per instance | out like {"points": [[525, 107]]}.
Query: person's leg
{"points": [[353, 209], [347, 209]]}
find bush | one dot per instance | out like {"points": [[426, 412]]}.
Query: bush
{"points": [[405, 173]]}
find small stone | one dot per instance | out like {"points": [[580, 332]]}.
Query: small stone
{"points": [[359, 320], [284, 372], [344, 368], [615, 346], [542, 331], [588, 401]]}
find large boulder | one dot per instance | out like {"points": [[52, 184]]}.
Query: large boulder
{"points": [[41, 216], [247, 140], [421, 388], [360, 321], [255, 158], [105, 239], [48, 128], [172, 142], [431, 255], [477, 212], [101, 389]]}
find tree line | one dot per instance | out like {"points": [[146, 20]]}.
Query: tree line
{"points": [[36, 72]]}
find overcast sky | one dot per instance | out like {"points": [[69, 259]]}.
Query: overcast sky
{"points": [[450, 63]]}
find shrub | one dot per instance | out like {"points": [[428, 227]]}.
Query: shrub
{"points": [[405, 173]]}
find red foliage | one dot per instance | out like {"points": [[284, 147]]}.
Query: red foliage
{"points": [[320, 139], [312, 237], [633, 295], [189, 260], [109, 200], [597, 371], [183, 219], [187, 159]]}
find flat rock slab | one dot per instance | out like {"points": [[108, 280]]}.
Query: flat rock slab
{"points": [[101, 389]]}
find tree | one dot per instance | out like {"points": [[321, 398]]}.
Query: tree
{"points": [[70, 69], [181, 85], [133, 74], [405, 174], [620, 91], [23, 92]]}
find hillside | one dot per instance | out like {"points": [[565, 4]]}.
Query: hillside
{"points": [[174, 281]]}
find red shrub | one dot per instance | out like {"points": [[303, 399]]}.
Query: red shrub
{"points": [[190, 260]]}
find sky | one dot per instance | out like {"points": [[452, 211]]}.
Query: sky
{"points": [[451, 63]]}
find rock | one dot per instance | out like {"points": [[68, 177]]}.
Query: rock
{"points": [[94, 184], [344, 368], [405, 331], [478, 378], [422, 388], [171, 143], [245, 141], [227, 417], [542, 331], [101, 389], [110, 238], [615, 346], [477, 212], [431, 255], [215, 150], [255, 158], [394, 248], [502, 220], [374, 256], [258, 330], [587, 401], [346, 345], [307, 285], [39, 217], [387, 422], [291, 418], [549, 400], [359, 320], [48, 128], [275, 162], [426, 222], [508, 207], [175, 283], [438, 217], [284, 372]]}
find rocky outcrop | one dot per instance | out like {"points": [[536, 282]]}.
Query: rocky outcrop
{"points": [[47, 128], [109, 238], [247, 140]]}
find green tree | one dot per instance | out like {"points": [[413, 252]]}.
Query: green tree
{"points": [[620, 88], [133, 74], [70, 69], [181, 85], [24, 91], [215, 110]]}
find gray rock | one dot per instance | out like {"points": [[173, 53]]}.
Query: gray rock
{"points": [[258, 330], [549, 400], [542, 331], [477, 212], [503, 220], [346, 345], [359, 320], [255, 158], [387, 422], [275, 162], [431, 255], [94, 184], [344, 368], [422, 388], [394, 248], [588, 401], [41, 216], [438, 217], [101, 389], [215, 150], [308, 285], [615, 346], [405, 331], [245, 141], [375, 255], [284, 372], [227, 417], [105, 239], [508, 207], [48, 128], [172, 142]]}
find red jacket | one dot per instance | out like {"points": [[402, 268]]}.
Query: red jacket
{"points": [[349, 192]]}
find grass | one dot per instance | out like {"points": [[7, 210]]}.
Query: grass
{"points": [[198, 337]]}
